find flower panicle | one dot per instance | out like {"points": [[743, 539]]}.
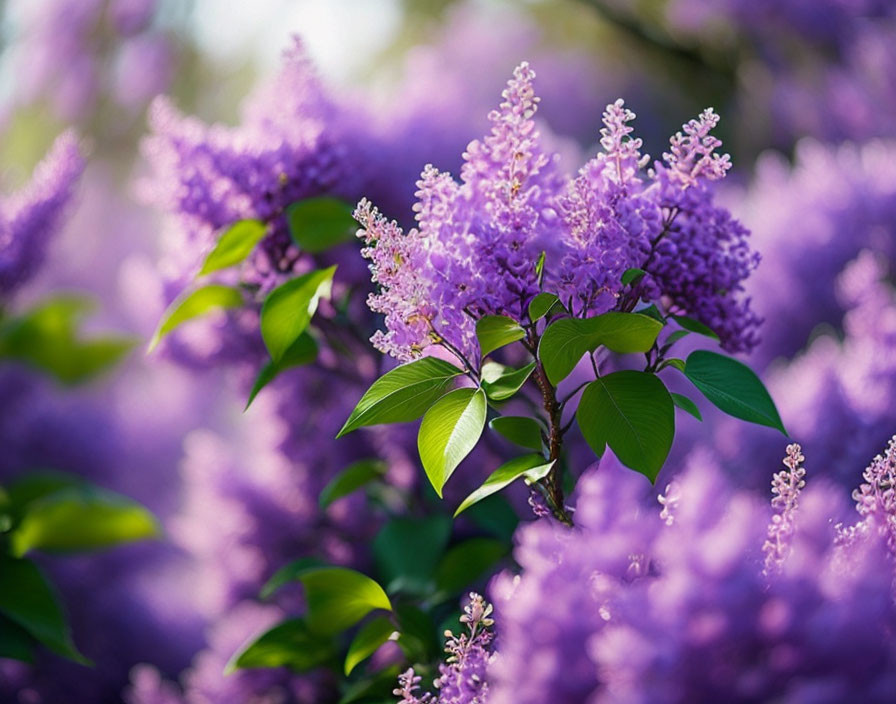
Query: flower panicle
{"points": [[786, 487], [692, 155]]}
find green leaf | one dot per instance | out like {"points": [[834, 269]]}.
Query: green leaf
{"points": [[539, 267], [81, 518], [234, 245], [466, 562], [652, 311], [685, 404], [290, 643], [500, 382], [541, 305], [407, 550], [316, 224], [376, 688], [290, 572], [338, 597], [678, 364], [288, 309], [629, 276], [520, 430], [191, 305], [36, 485], [533, 467], [675, 337], [371, 636], [495, 331], [417, 638], [402, 394], [351, 479], [449, 431], [28, 600], [733, 388], [15, 643], [302, 351], [694, 325], [565, 341], [47, 338], [494, 515], [632, 412]]}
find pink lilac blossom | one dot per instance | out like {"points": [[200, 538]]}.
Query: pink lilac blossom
{"points": [[786, 487], [30, 218], [476, 244]]}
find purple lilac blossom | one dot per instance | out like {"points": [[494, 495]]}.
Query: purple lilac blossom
{"points": [[686, 612], [30, 217], [474, 250], [79, 53]]}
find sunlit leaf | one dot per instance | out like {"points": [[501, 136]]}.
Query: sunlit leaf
{"points": [[234, 245], [288, 309], [194, 304]]}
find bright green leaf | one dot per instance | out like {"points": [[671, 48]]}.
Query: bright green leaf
{"points": [[338, 597], [495, 331], [531, 466], [694, 325], [733, 388], [192, 305], [290, 572], [629, 276], [520, 430], [685, 404], [302, 351], [566, 340], [541, 305], [290, 643], [350, 479], [402, 394], [500, 382], [81, 518], [234, 245], [28, 600], [316, 224], [466, 562], [632, 412], [449, 431], [371, 636], [678, 364], [539, 267], [407, 550], [288, 309]]}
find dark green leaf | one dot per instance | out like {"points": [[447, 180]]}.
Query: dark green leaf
{"points": [[541, 305], [36, 485], [694, 326], [15, 643], [288, 309], [27, 600], [520, 430], [495, 331], [675, 337], [338, 597], [290, 572], [350, 479], [533, 467], [449, 431], [500, 382], [402, 394], [565, 341], [47, 338], [678, 364], [192, 305], [494, 515], [289, 644], [465, 563], [733, 388], [632, 412], [418, 638], [81, 518], [652, 311], [234, 246], [407, 551], [316, 224], [302, 351], [685, 404], [374, 689], [371, 636], [629, 276]]}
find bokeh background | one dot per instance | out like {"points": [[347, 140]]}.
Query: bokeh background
{"points": [[807, 95]]}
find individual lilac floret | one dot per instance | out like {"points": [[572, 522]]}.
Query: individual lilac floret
{"points": [[31, 217], [786, 487], [462, 677]]}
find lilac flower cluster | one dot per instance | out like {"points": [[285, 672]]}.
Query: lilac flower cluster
{"points": [[78, 53], [476, 244], [687, 612], [462, 677], [31, 217]]}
